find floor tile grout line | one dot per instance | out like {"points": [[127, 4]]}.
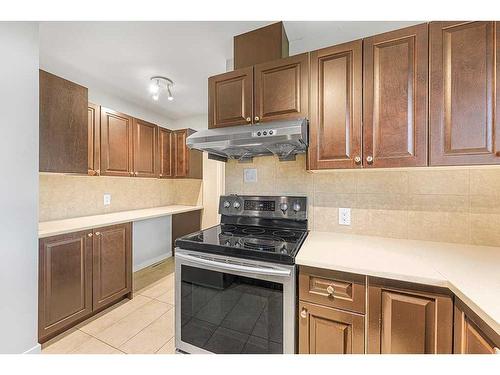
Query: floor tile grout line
{"points": [[147, 327], [98, 339]]}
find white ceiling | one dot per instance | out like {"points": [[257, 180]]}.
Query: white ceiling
{"points": [[118, 58]]}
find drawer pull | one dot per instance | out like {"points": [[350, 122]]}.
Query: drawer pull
{"points": [[330, 290], [303, 313]]}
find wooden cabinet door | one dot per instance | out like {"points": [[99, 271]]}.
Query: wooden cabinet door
{"points": [[145, 143], [62, 125], [112, 264], [181, 164], [166, 152], [116, 143], [395, 98], [281, 89], [323, 330], [336, 100], [230, 98], [94, 129], [469, 338], [464, 83], [402, 321], [65, 282]]}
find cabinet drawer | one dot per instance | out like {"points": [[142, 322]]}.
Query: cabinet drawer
{"points": [[332, 288]]}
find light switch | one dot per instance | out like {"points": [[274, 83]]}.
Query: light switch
{"points": [[344, 216], [107, 199], [250, 175]]}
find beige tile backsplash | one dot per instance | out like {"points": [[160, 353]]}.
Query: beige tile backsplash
{"points": [[448, 204], [64, 196]]}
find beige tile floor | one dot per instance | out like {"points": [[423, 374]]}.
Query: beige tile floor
{"points": [[143, 325]]}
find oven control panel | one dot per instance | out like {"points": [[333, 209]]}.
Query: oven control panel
{"points": [[274, 207]]}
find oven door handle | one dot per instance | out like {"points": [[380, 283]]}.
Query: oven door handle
{"points": [[235, 267]]}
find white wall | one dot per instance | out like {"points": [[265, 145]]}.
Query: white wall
{"points": [[120, 105], [213, 173], [151, 241], [19, 196]]}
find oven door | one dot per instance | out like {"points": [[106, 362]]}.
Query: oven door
{"points": [[231, 305]]}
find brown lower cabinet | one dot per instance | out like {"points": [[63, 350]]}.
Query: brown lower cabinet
{"points": [[471, 334], [185, 223], [323, 330], [81, 273], [408, 319]]}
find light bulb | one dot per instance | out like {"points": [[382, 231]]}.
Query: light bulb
{"points": [[154, 88], [169, 97], [156, 97]]}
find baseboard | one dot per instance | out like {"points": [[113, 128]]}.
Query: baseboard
{"points": [[152, 261], [37, 349]]}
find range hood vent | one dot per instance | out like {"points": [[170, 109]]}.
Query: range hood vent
{"points": [[284, 139]]}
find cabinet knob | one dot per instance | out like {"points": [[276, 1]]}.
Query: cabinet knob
{"points": [[357, 160], [90, 234], [369, 159], [97, 233], [497, 351], [249, 119], [330, 290], [303, 313], [98, 171], [257, 118], [136, 173], [131, 173]]}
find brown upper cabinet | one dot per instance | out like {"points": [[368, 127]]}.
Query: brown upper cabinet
{"points": [[336, 106], [277, 90], [464, 93], [187, 163], [116, 143], [94, 133], [63, 128], [230, 98], [257, 46], [165, 153], [395, 98], [281, 89], [145, 148], [408, 320]]}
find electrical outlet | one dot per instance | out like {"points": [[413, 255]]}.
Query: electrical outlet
{"points": [[107, 199], [344, 216], [250, 175]]}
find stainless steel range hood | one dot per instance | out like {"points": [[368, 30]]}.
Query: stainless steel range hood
{"points": [[284, 139]]}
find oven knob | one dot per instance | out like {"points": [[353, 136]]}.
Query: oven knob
{"points": [[236, 205], [296, 207], [283, 207], [227, 204]]}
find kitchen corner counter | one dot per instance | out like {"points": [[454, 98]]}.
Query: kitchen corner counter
{"points": [[55, 227], [471, 272]]}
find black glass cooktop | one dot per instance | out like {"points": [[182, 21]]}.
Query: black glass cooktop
{"points": [[247, 241]]}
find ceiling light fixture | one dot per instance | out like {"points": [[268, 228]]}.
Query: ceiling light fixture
{"points": [[159, 83]]}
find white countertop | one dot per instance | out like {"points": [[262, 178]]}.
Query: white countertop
{"points": [[472, 273], [55, 227]]}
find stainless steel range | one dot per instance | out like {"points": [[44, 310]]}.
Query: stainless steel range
{"points": [[235, 283]]}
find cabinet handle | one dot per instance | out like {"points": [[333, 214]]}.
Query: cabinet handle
{"points": [[90, 234], [330, 290], [249, 119], [97, 233], [303, 313], [369, 159], [257, 118], [357, 160]]}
